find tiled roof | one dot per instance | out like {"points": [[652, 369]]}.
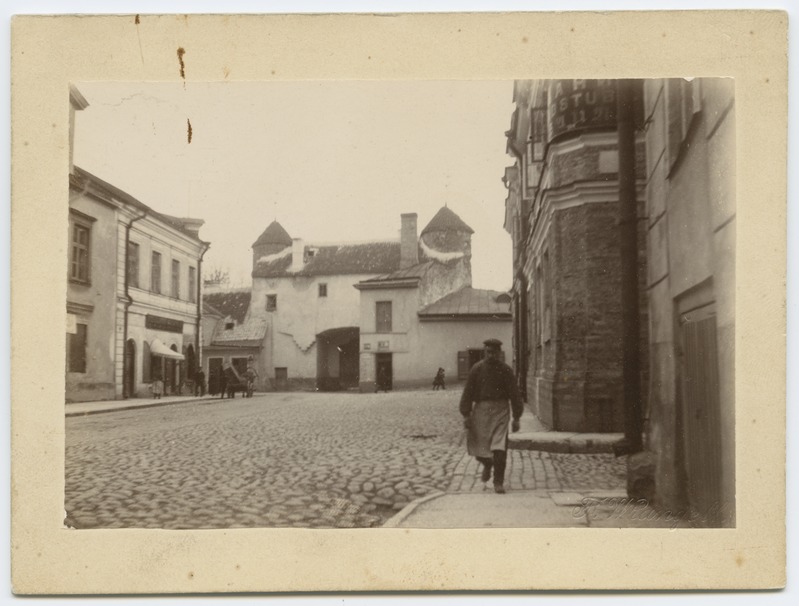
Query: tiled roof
{"points": [[331, 260], [234, 304], [414, 271], [250, 332], [274, 234], [210, 310], [467, 302], [446, 220]]}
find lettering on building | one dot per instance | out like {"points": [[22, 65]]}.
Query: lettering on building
{"points": [[165, 324]]}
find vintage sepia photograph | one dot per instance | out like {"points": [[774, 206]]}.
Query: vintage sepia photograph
{"points": [[398, 302], [401, 304]]}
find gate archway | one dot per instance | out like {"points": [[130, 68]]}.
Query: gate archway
{"points": [[337, 364]]}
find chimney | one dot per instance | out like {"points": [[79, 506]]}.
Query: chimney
{"points": [[409, 241], [297, 254]]}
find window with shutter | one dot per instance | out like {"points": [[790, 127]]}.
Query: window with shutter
{"points": [[383, 316]]}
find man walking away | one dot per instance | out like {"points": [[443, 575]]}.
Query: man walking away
{"points": [[491, 386]]}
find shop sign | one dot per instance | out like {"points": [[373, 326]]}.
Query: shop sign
{"points": [[165, 324], [383, 345], [576, 105]]}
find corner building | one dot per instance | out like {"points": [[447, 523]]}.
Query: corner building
{"points": [[561, 212]]}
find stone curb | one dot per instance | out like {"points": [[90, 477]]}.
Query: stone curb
{"points": [[137, 406], [405, 512], [563, 442]]}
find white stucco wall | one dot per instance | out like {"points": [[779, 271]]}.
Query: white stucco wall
{"points": [[302, 314]]}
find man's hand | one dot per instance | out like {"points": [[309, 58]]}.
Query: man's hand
{"points": [[467, 422], [514, 426]]}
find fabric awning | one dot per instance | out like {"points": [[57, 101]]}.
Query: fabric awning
{"points": [[157, 348]]}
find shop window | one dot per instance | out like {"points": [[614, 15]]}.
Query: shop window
{"points": [[271, 302], [175, 279], [80, 248], [133, 264], [77, 349], [383, 316], [155, 274]]}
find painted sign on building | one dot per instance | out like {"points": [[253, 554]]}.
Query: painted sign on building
{"points": [[576, 105], [161, 323]]}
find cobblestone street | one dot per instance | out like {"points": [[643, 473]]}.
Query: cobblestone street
{"points": [[289, 459]]}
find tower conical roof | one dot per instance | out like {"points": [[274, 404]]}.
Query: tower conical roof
{"points": [[446, 220], [274, 234]]}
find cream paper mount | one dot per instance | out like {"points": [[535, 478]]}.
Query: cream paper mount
{"points": [[50, 53]]}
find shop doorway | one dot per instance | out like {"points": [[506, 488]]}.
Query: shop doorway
{"points": [[130, 369], [385, 371]]}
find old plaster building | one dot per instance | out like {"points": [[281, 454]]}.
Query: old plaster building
{"points": [[691, 210], [132, 295], [426, 315], [326, 316], [133, 291], [561, 211]]}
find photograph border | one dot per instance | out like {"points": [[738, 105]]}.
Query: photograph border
{"points": [[49, 53]]}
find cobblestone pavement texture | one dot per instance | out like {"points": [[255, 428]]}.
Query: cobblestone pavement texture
{"points": [[316, 460]]}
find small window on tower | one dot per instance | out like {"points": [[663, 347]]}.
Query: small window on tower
{"points": [[271, 302], [323, 290]]}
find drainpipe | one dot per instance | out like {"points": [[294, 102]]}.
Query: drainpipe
{"points": [[628, 239], [128, 303], [197, 343]]}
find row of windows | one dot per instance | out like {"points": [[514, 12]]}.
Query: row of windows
{"points": [[383, 314], [156, 272], [80, 264]]}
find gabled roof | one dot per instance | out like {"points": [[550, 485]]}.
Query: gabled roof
{"points": [[469, 303], [250, 333], [446, 220], [331, 260], [82, 179], [233, 303], [274, 234]]}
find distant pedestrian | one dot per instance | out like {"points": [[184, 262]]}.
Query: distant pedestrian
{"points": [[383, 380], [158, 388], [490, 388], [199, 383], [223, 383], [438, 380]]}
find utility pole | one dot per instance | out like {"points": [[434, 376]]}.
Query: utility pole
{"points": [[628, 242]]}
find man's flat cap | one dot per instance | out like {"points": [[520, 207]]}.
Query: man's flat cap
{"points": [[493, 343]]}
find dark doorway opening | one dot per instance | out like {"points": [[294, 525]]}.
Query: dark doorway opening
{"points": [[385, 372], [337, 359], [130, 369]]}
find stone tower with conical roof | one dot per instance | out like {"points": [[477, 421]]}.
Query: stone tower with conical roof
{"points": [[273, 240], [447, 238]]}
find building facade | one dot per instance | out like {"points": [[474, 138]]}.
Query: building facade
{"points": [[691, 208], [132, 295], [561, 209], [426, 315], [562, 212]]}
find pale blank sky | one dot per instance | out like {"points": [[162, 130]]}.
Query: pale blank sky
{"points": [[332, 161]]}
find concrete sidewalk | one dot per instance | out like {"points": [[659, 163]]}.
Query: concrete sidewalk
{"points": [[88, 408], [532, 509]]}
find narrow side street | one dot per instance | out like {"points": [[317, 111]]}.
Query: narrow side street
{"points": [[290, 459]]}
